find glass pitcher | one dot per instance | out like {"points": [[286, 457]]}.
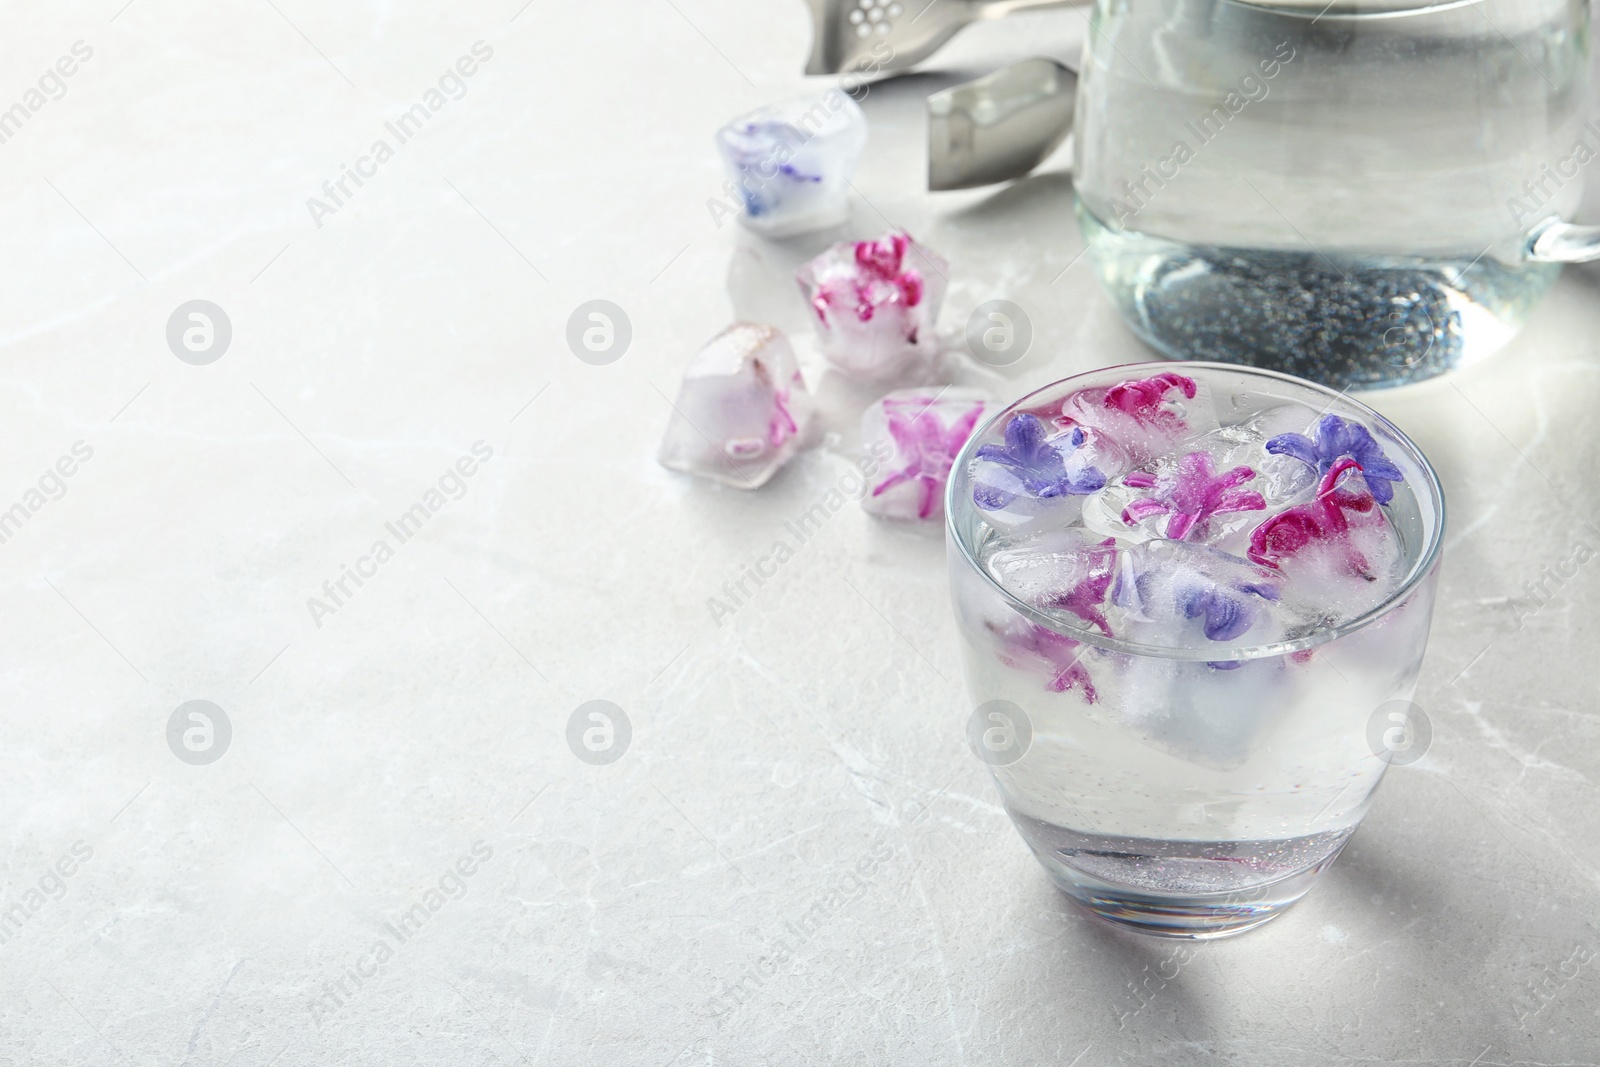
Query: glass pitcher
{"points": [[1362, 192]]}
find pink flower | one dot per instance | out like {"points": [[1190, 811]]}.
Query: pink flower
{"points": [[1037, 646], [1088, 594], [1141, 400], [1194, 494], [926, 446], [1144, 400], [1322, 520], [881, 280], [781, 426]]}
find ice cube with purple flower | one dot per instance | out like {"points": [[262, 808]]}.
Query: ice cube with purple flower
{"points": [[1333, 439], [1033, 463], [790, 164], [1183, 595]]}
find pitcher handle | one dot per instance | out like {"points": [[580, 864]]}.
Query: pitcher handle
{"points": [[1558, 241]]}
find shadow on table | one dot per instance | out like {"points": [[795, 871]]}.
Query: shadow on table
{"points": [[1138, 979], [1044, 193]]}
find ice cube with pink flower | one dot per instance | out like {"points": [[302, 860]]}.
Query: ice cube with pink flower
{"points": [[741, 411], [876, 304], [1142, 417], [923, 429]]}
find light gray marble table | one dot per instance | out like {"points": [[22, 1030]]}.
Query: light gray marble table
{"points": [[397, 858]]}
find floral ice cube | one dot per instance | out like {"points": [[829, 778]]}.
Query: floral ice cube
{"points": [[1144, 417], [1061, 570], [924, 429], [1027, 646], [1180, 592], [1032, 471], [876, 303], [1333, 439], [1183, 497], [741, 409], [1280, 479], [791, 164], [1187, 499], [1338, 550]]}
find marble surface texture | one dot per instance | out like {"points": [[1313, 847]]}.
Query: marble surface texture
{"points": [[397, 857]]}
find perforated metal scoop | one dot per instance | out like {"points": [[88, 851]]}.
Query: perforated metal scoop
{"points": [[879, 35], [1000, 126]]}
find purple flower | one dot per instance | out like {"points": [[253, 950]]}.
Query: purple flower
{"points": [[1167, 579], [1087, 596], [1227, 610], [1038, 462], [1333, 439]]}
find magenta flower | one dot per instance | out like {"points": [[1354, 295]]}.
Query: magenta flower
{"points": [[882, 279], [1194, 494], [781, 426], [1324, 519], [1088, 594], [1141, 399], [926, 446], [1037, 646]]}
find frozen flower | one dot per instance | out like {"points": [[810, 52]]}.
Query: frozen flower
{"points": [[1088, 594], [1227, 610], [925, 447], [1333, 439], [1324, 519], [1142, 399], [1038, 463], [1191, 495], [1035, 647], [1172, 579]]}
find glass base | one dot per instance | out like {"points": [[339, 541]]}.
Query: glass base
{"points": [[1194, 916], [1176, 888]]}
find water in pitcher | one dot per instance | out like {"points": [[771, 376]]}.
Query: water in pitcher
{"points": [[1339, 191]]}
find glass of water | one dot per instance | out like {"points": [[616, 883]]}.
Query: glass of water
{"points": [[1361, 192], [1193, 600]]}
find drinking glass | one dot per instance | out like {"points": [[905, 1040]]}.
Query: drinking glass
{"points": [[1182, 791], [1362, 192]]}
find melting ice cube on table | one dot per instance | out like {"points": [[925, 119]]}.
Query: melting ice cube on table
{"points": [[876, 303], [790, 164], [741, 410], [922, 429]]}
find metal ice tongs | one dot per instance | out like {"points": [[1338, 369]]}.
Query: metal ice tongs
{"points": [[1000, 126], [879, 35]]}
